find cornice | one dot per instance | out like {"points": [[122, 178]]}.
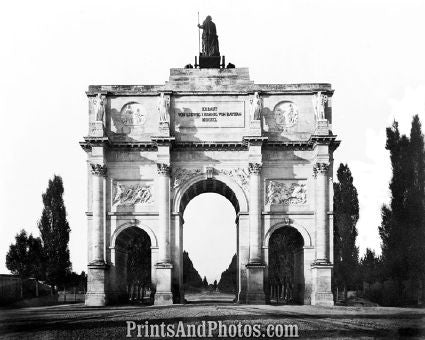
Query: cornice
{"points": [[267, 144]]}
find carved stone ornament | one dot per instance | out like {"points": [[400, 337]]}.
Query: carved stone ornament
{"points": [[99, 107], [281, 192], [287, 220], [163, 108], [319, 101], [98, 169], [256, 106], [254, 168], [181, 176], [131, 194], [133, 114], [163, 169], [286, 115], [239, 175], [320, 168]]}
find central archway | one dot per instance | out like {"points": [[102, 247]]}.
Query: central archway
{"points": [[227, 188]]}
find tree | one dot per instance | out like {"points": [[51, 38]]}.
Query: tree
{"points": [[54, 230], [25, 258], [402, 228], [346, 215], [215, 285], [139, 265], [227, 281], [416, 202], [191, 277], [205, 282], [369, 267]]}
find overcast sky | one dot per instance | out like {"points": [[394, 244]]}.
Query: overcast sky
{"points": [[371, 52]]}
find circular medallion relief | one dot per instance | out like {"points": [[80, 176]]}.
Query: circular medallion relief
{"points": [[133, 114], [286, 114]]}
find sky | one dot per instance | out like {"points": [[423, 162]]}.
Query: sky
{"points": [[371, 51]]}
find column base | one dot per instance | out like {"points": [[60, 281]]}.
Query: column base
{"points": [[255, 284], [96, 295], [321, 294], [163, 294]]}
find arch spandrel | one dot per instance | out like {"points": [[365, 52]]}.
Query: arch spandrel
{"points": [[301, 229], [195, 186], [137, 224]]}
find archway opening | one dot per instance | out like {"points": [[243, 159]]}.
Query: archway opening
{"points": [[134, 263], [286, 266], [210, 255]]}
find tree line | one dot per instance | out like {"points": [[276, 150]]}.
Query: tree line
{"points": [[400, 269], [46, 258]]}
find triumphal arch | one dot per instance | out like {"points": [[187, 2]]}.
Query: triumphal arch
{"points": [[267, 148]]}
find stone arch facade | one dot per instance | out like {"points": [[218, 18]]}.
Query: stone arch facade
{"points": [[195, 134]]}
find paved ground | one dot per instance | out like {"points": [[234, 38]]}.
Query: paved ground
{"points": [[77, 321]]}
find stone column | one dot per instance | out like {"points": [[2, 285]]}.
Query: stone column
{"points": [[322, 268], [163, 295], [322, 191], [255, 267], [255, 213], [96, 292]]}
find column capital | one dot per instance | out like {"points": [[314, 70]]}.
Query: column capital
{"points": [[320, 168], [254, 168], [163, 169], [98, 169]]}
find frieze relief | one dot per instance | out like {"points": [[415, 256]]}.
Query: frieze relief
{"points": [[130, 194], [286, 192]]}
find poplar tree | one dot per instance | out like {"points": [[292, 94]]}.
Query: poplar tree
{"points": [[54, 230], [346, 215], [402, 228], [416, 202]]}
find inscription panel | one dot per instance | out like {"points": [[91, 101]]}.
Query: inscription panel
{"points": [[209, 114]]}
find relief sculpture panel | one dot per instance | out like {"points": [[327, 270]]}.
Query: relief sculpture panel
{"points": [[285, 192], [132, 193]]}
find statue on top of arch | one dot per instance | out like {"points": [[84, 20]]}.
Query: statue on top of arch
{"points": [[209, 38]]}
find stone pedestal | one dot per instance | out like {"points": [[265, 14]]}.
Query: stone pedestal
{"points": [[97, 284], [255, 128], [209, 62], [163, 294], [255, 288], [96, 129], [322, 127], [321, 294], [164, 129]]}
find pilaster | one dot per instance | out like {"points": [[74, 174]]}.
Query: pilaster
{"points": [[97, 268]]}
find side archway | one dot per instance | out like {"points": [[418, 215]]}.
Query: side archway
{"points": [[301, 229], [137, 224], [134, 245], [284, 246]]}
